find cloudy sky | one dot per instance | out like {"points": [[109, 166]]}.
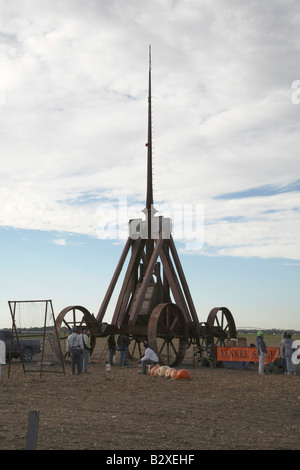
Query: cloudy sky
{"points": [[73, 128]]}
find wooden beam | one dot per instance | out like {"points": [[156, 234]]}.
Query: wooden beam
{"points": [[146, 281], [32, 432], [126, 289], [114, 280], [174, 284], [183, 280]]}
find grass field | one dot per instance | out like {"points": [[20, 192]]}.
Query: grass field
{"points": [[270, 340]]}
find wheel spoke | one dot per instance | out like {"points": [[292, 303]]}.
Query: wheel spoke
{"points": [[175, 321], [167, 317], [67, 324], [162, 324], [174, 349], [221, 325], [168, 353], [162, 347]]}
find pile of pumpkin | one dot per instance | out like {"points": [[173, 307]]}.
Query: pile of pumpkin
{"points": [[169, 372]]}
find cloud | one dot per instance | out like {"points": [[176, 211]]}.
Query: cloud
{"points": [[60, 242], [266, 190], [73, 124]]}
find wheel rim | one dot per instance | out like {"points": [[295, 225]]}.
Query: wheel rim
{"points": [[66, 319], [221, 326], [27, 355], [168, 334]]}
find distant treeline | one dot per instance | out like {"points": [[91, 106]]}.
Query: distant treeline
{"points": [[244, 331], [273, 331], [30, 330]]}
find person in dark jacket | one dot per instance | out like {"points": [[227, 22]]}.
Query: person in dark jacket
{"points": [[261, 351], [123, 343], [112, 346], [288, 352], [282, 352]]}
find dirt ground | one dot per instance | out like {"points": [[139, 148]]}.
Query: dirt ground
{"points": [[217, 409]]}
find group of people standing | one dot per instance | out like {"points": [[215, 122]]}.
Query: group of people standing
{"points": [[78, 348], [286, 353]]}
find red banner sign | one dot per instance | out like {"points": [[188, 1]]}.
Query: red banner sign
{"points": [[244, 354]]}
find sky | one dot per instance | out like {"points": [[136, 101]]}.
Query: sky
{"points": [[73, 128]]}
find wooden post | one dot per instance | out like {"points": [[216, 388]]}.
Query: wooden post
{"points": [[32, 432]]}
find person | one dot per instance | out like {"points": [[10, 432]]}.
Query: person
{"points": [[150, 358], [288, 352], [75, 349], [86, 350], [261, 351], [282, 352], [123, 343], [111, 344], [252, 345]]}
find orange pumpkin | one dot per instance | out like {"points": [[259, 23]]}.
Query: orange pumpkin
{"points": [[153, 369], [169, 371], [174, 374], [183, 374], [162, 370]]}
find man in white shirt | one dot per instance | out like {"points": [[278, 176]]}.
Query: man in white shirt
{"points": [[150, 358], [86, 350], [75, 348]]}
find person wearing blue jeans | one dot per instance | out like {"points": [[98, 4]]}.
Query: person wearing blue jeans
{"points": [[86, 350], [111, 344], [261, 351], [75, 349], [288, 352], [123, 343], [76, 358]]}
